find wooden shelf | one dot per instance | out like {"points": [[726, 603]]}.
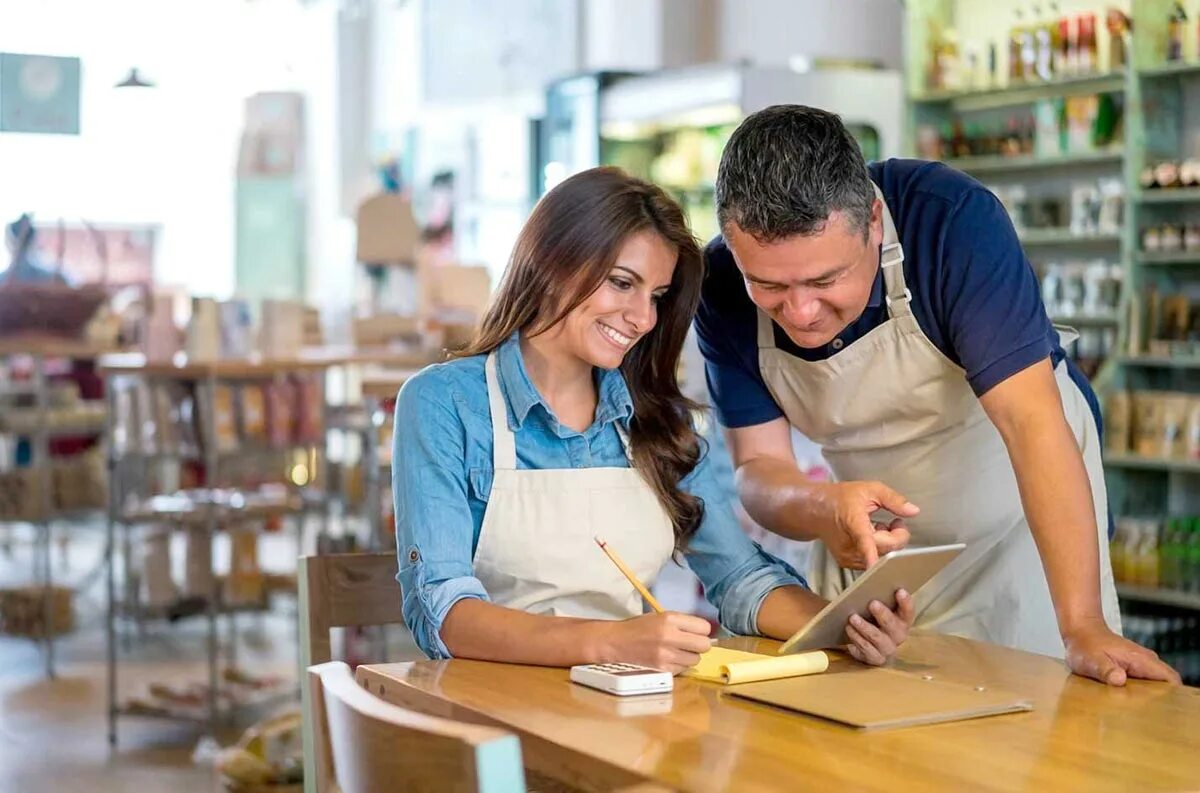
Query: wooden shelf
{"points": [[1024, 93], [1171, 69], [1017, 164], [1152, 463], [53, 347], [1169, 195], [1064, 236], [1166, 597]]}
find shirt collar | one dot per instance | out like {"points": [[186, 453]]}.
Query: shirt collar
{"points": [[615, 401]]}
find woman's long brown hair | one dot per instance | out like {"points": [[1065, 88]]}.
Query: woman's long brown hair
{"points": [[564, 253]]}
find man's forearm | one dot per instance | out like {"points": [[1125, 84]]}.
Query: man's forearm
{"points": [[786, 610], [779, 497]]}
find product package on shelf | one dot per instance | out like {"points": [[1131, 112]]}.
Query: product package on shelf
{"points": [[244, 584], [252, 413], [80, 481], [198, 570], [224, 417], [158, 587], [23, 611], [1164, 325], [280, 412], [310, 408], [21, 494], [1153, 424]]}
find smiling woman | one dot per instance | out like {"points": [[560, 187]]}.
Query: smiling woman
{"points": [[564, 421]]}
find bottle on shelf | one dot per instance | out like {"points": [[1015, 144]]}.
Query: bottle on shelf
{"points": [[1016, 71], [1087, 43], [1118, 32], [1176, 24], [1028, 39], [1043, 40]]}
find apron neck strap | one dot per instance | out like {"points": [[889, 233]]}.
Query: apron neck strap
{"points": [[891, 261], [504, 443]]}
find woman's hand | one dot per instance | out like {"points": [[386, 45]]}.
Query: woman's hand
{"points": [[669, 641], [876, 644]]}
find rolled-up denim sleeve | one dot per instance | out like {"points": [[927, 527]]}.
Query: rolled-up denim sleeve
{"points": [[435, 530], [736, 573]]}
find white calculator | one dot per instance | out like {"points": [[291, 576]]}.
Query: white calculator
{"points": [[623, 679]]}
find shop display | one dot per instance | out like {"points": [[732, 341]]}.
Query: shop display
{"points": [[1176, 639], [1153, 424], [1041, 47], [1156, 552], [1164, 325], [1168, 174], [1093, 207], [23, 611], [1046, 128]]}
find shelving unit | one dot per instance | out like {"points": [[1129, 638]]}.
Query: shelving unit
{"points": [[45, 515], [1161, 122], [127, 510]]}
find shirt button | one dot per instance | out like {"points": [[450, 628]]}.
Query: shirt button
{"points": [[413, 556], [838, 344]]}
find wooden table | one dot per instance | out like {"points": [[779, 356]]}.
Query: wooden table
{"points": [[1080, 735]]}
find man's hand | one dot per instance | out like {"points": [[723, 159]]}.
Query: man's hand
{"points": [[846, 527], [1096, 652]]}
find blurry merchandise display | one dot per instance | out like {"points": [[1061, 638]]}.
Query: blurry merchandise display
{"points": [[1041, 46], [1172, 173], [1157, 552], [1163, 324], [1047, 128], [1093, 207], [1152, 424]]}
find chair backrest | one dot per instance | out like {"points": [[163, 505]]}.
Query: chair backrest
{"points": [[339, 591], [342, 590], [364, 744]]}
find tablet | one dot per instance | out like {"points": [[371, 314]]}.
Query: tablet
{"points": [[906, 569]]}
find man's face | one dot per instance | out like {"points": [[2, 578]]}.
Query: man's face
{"points": [[811, 286]]}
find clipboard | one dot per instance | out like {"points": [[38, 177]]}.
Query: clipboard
{"points": [[879, 699]]}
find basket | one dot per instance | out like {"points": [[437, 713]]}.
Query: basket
{"points": [[22, 611], [49, 308]]}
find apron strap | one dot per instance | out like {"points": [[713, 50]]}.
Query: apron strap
{"points": [[766, 331], [891, 261], [504, 443]]}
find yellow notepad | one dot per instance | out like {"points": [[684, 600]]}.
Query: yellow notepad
{"points": [[722, 665]]}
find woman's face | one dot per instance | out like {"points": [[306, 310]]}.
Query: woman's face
{"points": [[606, 325]]}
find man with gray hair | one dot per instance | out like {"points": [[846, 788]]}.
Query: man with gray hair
{"points": [[887, 312]]}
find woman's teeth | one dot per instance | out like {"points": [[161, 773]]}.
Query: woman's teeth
{"points": [[617, 338]]}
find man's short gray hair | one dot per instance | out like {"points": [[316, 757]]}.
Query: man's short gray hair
{"points": [[786, 169]]}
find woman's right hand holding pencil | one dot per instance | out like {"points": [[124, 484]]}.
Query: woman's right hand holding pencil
{"points": [[669, 641]]}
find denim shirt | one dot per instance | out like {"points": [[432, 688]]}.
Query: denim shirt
{"points": [[442, 476]]}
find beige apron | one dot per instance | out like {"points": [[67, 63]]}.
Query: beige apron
{"points": [[891, 407], [536, 550]]}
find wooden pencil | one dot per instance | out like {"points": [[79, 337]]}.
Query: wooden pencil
{"points": [[633, 579]]}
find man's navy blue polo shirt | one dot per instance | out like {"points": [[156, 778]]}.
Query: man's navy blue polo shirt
{"points": [[975, 295]]}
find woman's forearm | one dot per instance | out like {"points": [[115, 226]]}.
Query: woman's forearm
{"points": [[477, 629], [786, 610]]}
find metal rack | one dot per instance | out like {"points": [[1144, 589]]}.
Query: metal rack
{"points": [[204, 378], [40, 350]]}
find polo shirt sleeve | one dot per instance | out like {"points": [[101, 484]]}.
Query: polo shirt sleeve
{"points": [[993, 315], [726, 331]]}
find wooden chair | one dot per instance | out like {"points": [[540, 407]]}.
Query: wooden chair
{"points": [[364, 744], [340, 591]]}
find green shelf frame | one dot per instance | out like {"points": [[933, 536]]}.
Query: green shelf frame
{"points": [[1173, 259], [1085, 320], [1171, 195], [1021, 163], [1159, 595], [1158, 362], [1179, 69], [1152, 463], [1023, 93], [1064, 236]]}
